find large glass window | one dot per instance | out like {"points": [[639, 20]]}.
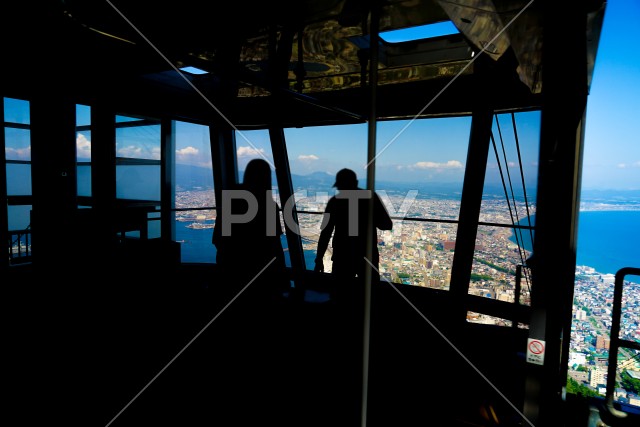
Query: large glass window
{"points": [[194, 196], [83, 151], [18, 156], [507, 213], [605, 232], [315, 156], [138, 172], [419, 174], [17, 149]]}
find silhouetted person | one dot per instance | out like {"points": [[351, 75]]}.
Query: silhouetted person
{"points": [[247, 235], [248, 346], [346, 218]]}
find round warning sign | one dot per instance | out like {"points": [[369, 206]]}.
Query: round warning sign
{"points": [[536, 347], [535, 351]]}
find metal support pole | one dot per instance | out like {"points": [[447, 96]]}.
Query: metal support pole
{"points": [[371, 168]]}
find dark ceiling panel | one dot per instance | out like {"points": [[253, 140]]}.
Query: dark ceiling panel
{"points": [[125, 51]]}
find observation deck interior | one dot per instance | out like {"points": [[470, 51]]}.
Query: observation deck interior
{"points": [[114, 331]]}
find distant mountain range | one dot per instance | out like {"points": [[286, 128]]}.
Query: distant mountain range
{"points": [[192, 177]]}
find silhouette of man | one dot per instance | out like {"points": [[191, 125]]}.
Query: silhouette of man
{"points": [[346, 218]]}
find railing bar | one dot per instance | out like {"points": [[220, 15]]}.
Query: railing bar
{"points": [[634, 345], [438, 220]]}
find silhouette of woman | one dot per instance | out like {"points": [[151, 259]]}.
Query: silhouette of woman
{"points": [[251, 261], [247, 235]]}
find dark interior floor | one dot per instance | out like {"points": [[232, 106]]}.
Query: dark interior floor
{"points": [[145, 351]]}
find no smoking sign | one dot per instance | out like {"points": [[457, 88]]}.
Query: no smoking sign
{"points": [[535, 351]]}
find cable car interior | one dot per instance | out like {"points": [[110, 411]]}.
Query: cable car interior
{"points": [[114, 323]]}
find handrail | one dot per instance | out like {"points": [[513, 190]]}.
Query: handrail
{"points": [[615, 341]]}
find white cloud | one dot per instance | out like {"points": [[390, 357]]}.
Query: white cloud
{"points": [[631, 165], [451, 164], [130, 151], [192, 156], [308, 157], [18, 153], [625, 165], [187, 151], [247, 151], [83, 146], [137, 152]]}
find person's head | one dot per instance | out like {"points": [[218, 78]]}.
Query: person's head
{"points": [[257, 175], [346, 179]]}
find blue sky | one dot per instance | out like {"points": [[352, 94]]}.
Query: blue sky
{"points": [[612, 142], [435, 150]]}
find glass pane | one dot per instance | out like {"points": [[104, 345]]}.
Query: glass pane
{"points": [[18, 179], [309, 233], [194, 196], [485, 319], [19, 217], [83, 115], [83, 151], [500, 255], [195, 236], [512, 170], [19, 232], [317, 154], [438, 29], [629, 359], [419, 174], [17, 144], [154, 229], [16, 111], [418, 253], [125, 119], [423, 160], [138, 182], [253, 144], [83, 146], [630, 315], [590, 335], [497, 264], [84, 180], [194, 174], [138, 142]]}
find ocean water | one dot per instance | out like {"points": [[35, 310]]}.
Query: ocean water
{"points": [[197, 247], [607, 240]]}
